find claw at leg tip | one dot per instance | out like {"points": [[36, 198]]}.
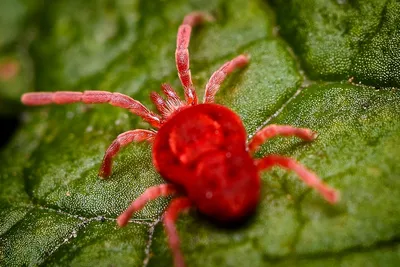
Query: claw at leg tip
{"points": [[332, 196], [314, 135], [121, 220], [247, 56], [208, 17], [242, 60], [102, 175]]}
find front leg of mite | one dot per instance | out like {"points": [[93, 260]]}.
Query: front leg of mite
{"points": [[121, 141], [182, 53], [177, 206], [218, 77], [168, 106], [310, 178], [92, 97]]}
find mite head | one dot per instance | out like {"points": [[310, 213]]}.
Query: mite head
{"points": [[227, 185]]}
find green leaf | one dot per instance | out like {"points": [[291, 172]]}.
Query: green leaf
{"points": [[55, 211], [342, 39]]}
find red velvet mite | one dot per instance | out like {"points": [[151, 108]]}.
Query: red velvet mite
{"points": [[199, 149]]}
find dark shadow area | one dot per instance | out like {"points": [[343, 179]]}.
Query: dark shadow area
{"points": [[7, 129], [241, 223]]}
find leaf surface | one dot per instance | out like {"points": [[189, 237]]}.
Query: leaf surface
{"points": [[55, 211]]}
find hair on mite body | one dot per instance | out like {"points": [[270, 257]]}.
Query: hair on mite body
{"points": [[200, 149]]}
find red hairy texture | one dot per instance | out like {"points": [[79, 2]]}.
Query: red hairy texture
{"points": [[167, 158], [94, 97], [190, 141], [226, 186], [33, 99], [203, 149]]}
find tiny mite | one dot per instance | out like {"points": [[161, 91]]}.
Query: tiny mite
{"points": [[199, 149]]}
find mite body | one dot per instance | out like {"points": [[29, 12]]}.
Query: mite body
{"points": [[203, 149], [200, 149]]}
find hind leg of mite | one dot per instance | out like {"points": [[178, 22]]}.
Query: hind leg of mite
{"points": [[149, 194], [308, 177], [176, 207], [274, 130]]}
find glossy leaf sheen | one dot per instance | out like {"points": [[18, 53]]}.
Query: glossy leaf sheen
{"points": [[55, 211]]}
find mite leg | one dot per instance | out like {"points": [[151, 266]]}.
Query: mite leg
{"points": [[173, 102], [170, 93], [182, 53], [159, 102], [168, 106], [121, 141], [177, 206], [219, 76], [151, 193], [274, 130], [310, 178], [92, 97]]}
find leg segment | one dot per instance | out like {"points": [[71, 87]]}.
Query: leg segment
{"points": [[168, 106], [92, 97], [159, 102], [284, 130], [170, 93], [182, 53], [121, 141], [173, 101], [177, 206], [219, 76], [151, 193], [310, 178]]}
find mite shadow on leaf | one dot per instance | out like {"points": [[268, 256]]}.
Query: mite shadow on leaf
{"points": [[9, 125], [284, 147], [315, 203], [242, 223]]}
